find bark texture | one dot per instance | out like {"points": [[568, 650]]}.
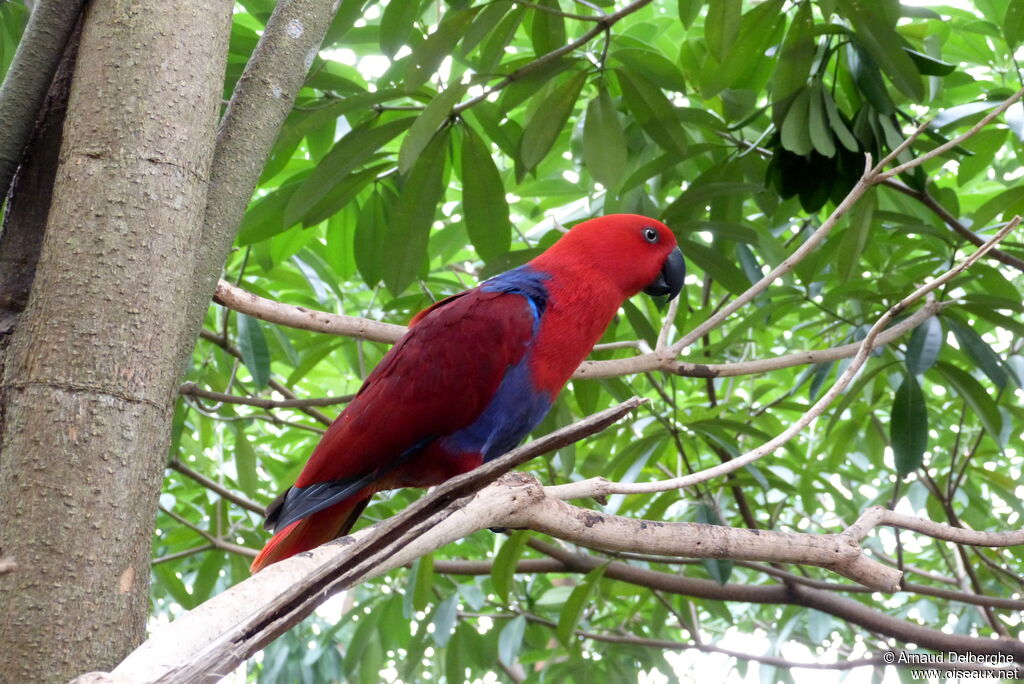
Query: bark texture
{"points": [[24, 223], [32, 69], [91, 370]]}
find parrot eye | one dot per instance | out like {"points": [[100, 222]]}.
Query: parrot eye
{"points": [[650, 234]]}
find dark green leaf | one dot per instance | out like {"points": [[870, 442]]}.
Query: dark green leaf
{"points": [[979, 351], [348, 154], [1013, 23], [721, 26], [653, 111], [855, 237], [971, 391], [396, 25], [510, 640], [426, 57], [604, 144], [925, 345], [878, 36], [929, 66], [370, 243], [426, 125], [908, 426], [794, 63], [581, 594], [245, 462], [413, 214], [483, 199], [504, 568], [253, 346], [796, 135], [549, 120], [547, 31]]}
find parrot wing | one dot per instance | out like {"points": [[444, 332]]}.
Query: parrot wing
{"points": [[436, 380]]}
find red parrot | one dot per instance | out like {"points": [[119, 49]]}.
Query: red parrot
{"points": [[473, 376]]}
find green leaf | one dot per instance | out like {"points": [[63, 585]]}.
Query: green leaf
{"points": [[758, 32], [908, 426], [348, 154], [253, 346], [653, 111], [504, 568], [426, 57], [794, 63], [719, 569], [426, 125], [370, 243], [444, 620], [569, 618], [979, 351], [641, 326], [423, 583], [549, 120], [971, 391], [510, 640], [929, 66], [721, 26], [837, 123], [820, 130], [604, 144], [925, 345], [1013, 24], [413, 214], [245, 461], [796, 136], [484, 205], [688, 11], [879, 37], [855, 238], [660, 70], [396, 25], [717, 266], [547, 30]]}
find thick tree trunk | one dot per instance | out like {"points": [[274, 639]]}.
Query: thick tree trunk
{"points": [[92, 367]]}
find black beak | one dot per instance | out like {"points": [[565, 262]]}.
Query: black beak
{"points": [[670, 280]]}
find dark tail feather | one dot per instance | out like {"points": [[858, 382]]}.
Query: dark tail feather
{"points": [[310, 532]]}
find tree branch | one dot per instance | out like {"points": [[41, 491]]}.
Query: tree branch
{"points": [[225, 630], [29, 76], [226, 493], [302, 318], [191, 389]]}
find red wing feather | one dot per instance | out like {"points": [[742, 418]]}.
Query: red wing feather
{"points": [[436, 380]]}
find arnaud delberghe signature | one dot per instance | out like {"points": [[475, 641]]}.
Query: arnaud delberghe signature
{"points": [[955, 657]]}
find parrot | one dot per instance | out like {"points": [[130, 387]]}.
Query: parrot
{"points": [[475, 373]]}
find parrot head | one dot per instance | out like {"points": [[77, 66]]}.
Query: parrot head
{"points": [[635, 252]]}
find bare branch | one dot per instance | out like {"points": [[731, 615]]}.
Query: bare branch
{"points": [[239, 300], [838, 553], [946, 147], [226, 493], [268, 310], [191, 389], [877, 515]]}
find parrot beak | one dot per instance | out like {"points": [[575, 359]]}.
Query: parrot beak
{"points": [[670, 280]]}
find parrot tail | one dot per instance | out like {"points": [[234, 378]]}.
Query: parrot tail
{"points": [[310, 532]]}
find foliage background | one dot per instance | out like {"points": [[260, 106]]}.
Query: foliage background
{"points": [[401, 178]]}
